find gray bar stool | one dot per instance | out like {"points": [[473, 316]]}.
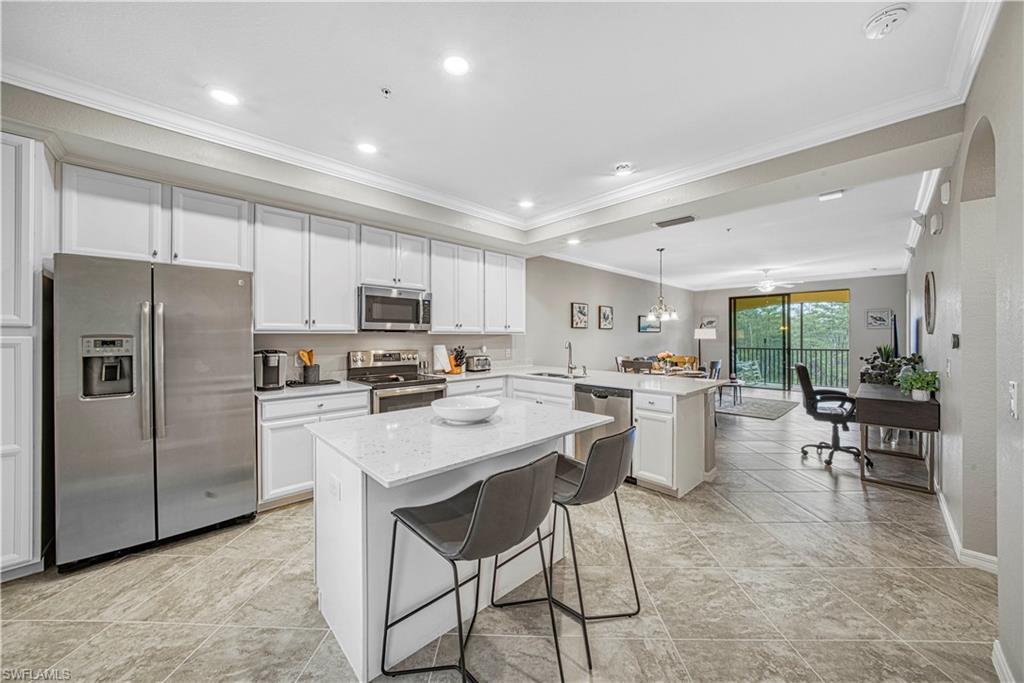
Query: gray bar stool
{"points": [[483, 520], [578, 483]]}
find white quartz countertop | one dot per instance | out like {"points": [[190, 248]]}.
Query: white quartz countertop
{"points": [[345, 387], [658, 384], [407, 445]]}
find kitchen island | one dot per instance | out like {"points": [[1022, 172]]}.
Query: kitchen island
{"points": [[365, 467]]}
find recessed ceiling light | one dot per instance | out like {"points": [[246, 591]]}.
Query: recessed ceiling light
{"points": [[829, 196], [224, 97], [573, 241], [456, 65], [526, 204], [623, 168], [367, 148]]}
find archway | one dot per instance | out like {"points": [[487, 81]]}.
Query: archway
{"points": [[978, 341]]}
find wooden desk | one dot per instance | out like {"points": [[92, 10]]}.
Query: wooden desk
{"points": [[883, 405]]}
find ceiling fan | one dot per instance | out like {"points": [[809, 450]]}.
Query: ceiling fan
{"points": [[769, 285]]}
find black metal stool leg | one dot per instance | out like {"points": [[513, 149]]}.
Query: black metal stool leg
{"points": [[551, 608], [388, 624], [579, 588], [629, 560]]}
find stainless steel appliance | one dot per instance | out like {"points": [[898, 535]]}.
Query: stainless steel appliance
{"points": [[604, 401], [394, 379], [478, 363], [269, 367], [393, 310], [154, 413]]}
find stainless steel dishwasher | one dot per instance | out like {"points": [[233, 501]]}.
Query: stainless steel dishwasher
{"points": [[618, 403]]}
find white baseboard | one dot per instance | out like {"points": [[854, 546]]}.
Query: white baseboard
{"points": [[711, 475], [971, 558], [1001, 665], [23, 570]]}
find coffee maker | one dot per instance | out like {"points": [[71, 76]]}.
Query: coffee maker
{"points": [[269, 367]]}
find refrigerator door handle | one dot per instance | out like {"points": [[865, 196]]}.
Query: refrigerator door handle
{"points": [[158, 362], [145, 390]]}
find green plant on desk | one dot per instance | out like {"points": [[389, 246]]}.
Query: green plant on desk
{"points": [[918, 380]]}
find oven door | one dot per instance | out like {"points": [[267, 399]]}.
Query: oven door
{"points": [[382, 308], [401, 398]]}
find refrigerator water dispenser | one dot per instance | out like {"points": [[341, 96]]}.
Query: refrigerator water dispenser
{"points": [[107, 366]]}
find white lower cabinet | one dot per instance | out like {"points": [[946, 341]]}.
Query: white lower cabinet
{"points": [[16, 452], [652, 459], [670, 441], [286, 446], [493, 387], [545, 394]]}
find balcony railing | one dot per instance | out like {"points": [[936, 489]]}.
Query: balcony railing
{"points": [[767, 367]]}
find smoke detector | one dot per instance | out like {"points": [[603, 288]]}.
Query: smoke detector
{"points": [[885, 21]]}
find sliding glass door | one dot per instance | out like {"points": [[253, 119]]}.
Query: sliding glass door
{"points": [[771, 333]]}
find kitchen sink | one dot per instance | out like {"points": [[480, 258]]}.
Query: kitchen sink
{"points": [[551, 374]]}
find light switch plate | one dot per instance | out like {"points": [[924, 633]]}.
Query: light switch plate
{"points": [[949, 368], [1013, 401]]}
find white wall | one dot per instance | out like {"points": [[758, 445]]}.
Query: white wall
{"points": [[978, 264], [551, 285], [888, 291]]}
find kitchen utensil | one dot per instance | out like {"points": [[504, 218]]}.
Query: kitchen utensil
{"points": [[305, 357], [465, 409], [311, 374]]}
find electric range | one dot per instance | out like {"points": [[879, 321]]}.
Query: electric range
{"points": [[394, 379]]}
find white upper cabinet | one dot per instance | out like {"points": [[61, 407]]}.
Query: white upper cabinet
{"points": [[377, 249], [281, 270], [333, 275], [444, 287], [456, 277], [105, 214], [504, 293], [210, 230], [413, 261], [471, 286], [16, 244], [392, 259], [515, 293]]}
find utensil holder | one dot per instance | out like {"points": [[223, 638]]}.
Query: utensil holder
{"points": [[311, 374]]}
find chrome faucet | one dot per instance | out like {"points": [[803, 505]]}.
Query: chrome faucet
{"points": [[571, 369]]}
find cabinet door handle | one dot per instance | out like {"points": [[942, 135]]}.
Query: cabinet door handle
{"points": [[650, 403], [155, 252], [305, 322], [175, 256], [314, 322], [319, 405]]}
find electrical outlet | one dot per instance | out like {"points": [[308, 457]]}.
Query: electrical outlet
{"points": [[508, 352], [949, 368], [1013, 401], [298, 361]]}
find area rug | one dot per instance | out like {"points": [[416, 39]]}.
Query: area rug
{"points": [[761, 408]]}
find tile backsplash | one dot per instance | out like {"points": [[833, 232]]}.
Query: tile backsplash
{"points": [[332, 349]]}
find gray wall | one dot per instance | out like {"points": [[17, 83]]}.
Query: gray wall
{"points": [[989, 316], [888, 291], [551, 285]]}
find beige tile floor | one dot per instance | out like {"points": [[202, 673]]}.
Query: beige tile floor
{"points": [[779, 570]]}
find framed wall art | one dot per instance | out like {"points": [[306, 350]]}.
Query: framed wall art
{"points": [[579, 315]]}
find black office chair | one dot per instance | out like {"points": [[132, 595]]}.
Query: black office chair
{"points": [[829, 405]]}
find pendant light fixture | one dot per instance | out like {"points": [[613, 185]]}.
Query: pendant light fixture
{"points": [[661, 310]]}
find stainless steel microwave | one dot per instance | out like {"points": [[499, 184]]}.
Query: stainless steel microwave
{"points": [[393, 310]]}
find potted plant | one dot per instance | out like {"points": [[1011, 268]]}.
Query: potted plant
{"points": [[919, 383], [884, 367]]}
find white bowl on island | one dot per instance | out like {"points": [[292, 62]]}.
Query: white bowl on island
{"points": [[465, 409]]}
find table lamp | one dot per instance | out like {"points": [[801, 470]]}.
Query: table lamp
{"points": [[702, 333]]}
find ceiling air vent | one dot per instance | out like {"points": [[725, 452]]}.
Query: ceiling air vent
{"points": [[674, 221]]}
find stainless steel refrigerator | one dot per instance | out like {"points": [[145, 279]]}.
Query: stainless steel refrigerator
{"points": [[154, 411]]}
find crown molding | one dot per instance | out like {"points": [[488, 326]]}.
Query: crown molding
{"points": [[926, 190], [73, 90], [973, 32], [612, 269], [972, 36]]}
